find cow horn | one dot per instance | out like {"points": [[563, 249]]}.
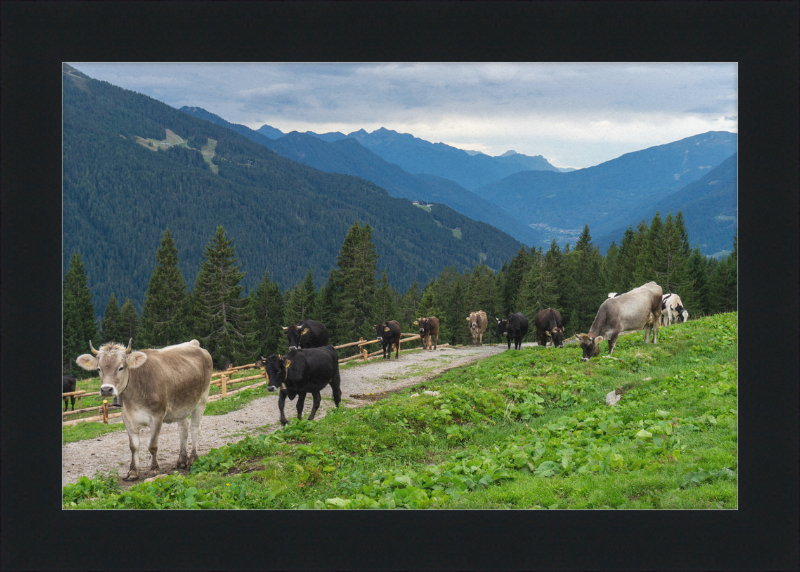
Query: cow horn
{"points": [[284, 328], [263, 358], [94, 351], [128, 350]]}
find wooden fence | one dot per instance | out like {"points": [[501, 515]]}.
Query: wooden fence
{"points": [[225, 379]]}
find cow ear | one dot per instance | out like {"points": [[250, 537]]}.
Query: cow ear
{"points": [[87, 362], [135, 359], [305, 331], [599, 339], [288, 363]]}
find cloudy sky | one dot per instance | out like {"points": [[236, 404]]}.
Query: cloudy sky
{"points": [[575, 115]]}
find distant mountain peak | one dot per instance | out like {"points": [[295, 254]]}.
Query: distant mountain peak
{"points": [[509, 153]]}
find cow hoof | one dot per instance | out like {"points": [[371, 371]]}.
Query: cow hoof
{"points": [[132, 476], [192, 459]]}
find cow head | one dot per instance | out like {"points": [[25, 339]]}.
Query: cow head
{"points": [[294, 332], [113, 363], [423, 325], [502, 327], [557, 337], [682, 314], [381, 330], [590, 345], [473, 321], [275, 366]]}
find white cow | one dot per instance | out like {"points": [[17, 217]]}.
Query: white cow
{"points": [[672, 310]]}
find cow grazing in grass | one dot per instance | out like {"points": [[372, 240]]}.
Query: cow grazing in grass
{"points": [[388, 333], [157, 386], [428, 330], [67, 386], [307, 334], [477, 325], [548, 323], [300, 372], [514, 328], [634, 310], [672, 310]]}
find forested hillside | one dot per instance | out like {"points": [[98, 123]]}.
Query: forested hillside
{"points": [[134, 167], [608, 195], [709, 207], [336, 153]]}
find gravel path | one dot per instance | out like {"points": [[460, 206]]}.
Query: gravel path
{"points": [[112, 451]]}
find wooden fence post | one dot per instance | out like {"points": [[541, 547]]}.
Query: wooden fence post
{"points": [[224, 385], [105, 411]]}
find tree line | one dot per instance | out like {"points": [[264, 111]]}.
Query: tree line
{"points": [[357, 296]]}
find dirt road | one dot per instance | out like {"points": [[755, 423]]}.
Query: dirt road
{"points": [[112, 451]]}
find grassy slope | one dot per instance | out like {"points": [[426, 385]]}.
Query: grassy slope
{"points": [[524, 429]]}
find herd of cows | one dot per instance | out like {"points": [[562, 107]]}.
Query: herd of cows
{"points": [[168, 385]]}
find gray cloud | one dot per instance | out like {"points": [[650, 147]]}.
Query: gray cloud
{"points": [[573, 114]]}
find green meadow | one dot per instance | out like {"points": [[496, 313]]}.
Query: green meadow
{"points": [[526, 429]]}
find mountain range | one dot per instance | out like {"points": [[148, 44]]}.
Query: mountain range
{"points": [[534, 205], [133, 166]]}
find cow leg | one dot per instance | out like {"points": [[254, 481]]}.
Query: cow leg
{"points": [[301, 401], [436, 342], [155, 431], [197, 419], [612, 342], [281, 402], [133, 438], [397, 354], [72, 399], [66, 401], [317, 400], [337, 390], [655, 329], [183, 432]]}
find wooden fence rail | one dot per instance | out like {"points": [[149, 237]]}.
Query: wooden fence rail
{"points": [[224, 380]]}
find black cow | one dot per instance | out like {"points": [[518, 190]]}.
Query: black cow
{"points": [[307, 334], [388, 333], [68, 385], [429, 329], [300, 372], [549, 321], [515, 327]]}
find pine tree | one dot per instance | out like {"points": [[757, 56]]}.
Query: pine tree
{"points": [[386, 302], [267, 319], [355, 284], [680, 224], [111, 328], [697, 267], [129, 322], [165, 316], [512, 282], [539, 288], [301, 300], [79, 325], [480, 291], [582, 290], [611, 264], [408, 306], [650, 258], [220, 309], [672, 270]]}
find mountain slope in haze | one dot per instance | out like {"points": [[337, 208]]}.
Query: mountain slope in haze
{"points": [[709, 206], [419, 156], [607, 195], [264, 130], [124, 183], [337, 153]]}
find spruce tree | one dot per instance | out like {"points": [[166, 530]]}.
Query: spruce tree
{"points": [[111, 328], [672, 269], [129, 322], [355, 284], [79, 325], [267, 319], [480, 291], [220, 309], [539, 288], [165, 316], [386, 303], [697, 267], [408, 306], [650, 258]]}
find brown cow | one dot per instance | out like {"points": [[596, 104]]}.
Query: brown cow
{"points": [[634, 310], [477, 325], [157, 386], [428, 328]]}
